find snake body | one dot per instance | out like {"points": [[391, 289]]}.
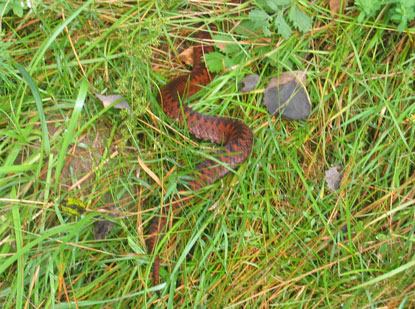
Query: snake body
{"points": [[234, 135]]}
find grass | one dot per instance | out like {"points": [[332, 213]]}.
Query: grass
{"points": [[269, 235]]}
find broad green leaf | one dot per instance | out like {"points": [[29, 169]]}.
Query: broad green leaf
{"points": [[361, 17], [277, 5], [18, 8], [402, 25], [246, 28], [300, 20], [230, 45], [214, 62], [369, 8], [266, 31], [282, 27], [260, 18]]}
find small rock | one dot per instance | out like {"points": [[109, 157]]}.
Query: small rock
{"points": [[286, 96], [249, 82], [333, 177]]}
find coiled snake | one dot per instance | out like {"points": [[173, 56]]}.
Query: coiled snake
{"points": [[234, 135]]}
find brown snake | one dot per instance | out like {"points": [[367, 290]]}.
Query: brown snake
{"points": [[234, 135]]}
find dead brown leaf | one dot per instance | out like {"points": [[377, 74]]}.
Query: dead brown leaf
{"points": [[149, 171], [298, 76], [333, 177], [186, 56], [109, 99]]}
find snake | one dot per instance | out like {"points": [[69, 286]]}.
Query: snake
{"points": [[234, 136]]}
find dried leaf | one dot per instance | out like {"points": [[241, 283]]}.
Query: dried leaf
{"points": [[186, 56], [109, 99], [286, 77], [149, 171], [333, 177], [287, 96], [249, 82]]}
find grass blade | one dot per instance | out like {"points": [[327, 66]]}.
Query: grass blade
{"points": [[19, 244], [385, 276], [70, 132], [42, 50], [39, 106]]}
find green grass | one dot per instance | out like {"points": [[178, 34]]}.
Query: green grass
{"points": [[272, 234]]}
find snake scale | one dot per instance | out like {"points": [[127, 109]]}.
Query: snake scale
{"points": [[235, 136]]}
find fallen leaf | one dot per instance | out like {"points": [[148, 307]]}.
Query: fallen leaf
{"points": [[149, 171], [249, 82], [186, 56], [287, 96], [333, 177], [287, 77], [109, 99]]}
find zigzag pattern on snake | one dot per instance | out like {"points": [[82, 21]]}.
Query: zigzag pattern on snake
{"points": [[235, 137]]}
